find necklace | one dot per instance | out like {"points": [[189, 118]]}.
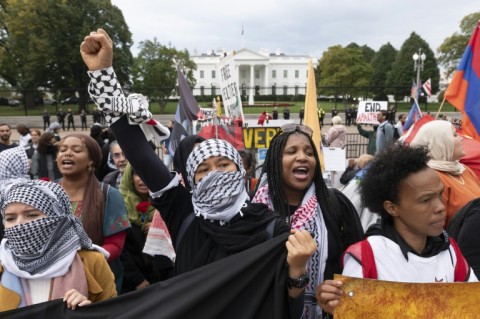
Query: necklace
{"points": [[461, 181]]}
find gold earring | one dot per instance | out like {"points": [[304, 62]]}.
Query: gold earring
{"points": [[90, 169]]}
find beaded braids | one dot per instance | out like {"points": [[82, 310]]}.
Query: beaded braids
{"points": [[273, 168]]}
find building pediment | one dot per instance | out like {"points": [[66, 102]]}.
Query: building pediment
{"points": [[246, 55]]}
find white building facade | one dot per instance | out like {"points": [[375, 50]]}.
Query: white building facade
{"points": [[259, 73]]}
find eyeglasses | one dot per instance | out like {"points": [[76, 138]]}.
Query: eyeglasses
{"points": [[291, 127]]}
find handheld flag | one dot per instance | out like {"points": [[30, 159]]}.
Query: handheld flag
{"points": [[187, 111], [427, 88], [464, 89], [413, 116], [311, 113]]}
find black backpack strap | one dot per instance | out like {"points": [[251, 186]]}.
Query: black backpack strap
{"points": [[105, 187], [183, 228]]}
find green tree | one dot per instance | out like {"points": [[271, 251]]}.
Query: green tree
{"points": [[39, 45], [382, 65], [345, 68], [402, 73], [451, 50], [154, 71], [368, 53]]}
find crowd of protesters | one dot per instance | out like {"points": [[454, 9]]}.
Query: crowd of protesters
{"points": [[110, 217]]}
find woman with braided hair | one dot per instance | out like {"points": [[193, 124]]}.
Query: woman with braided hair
{"points": [[46, 254], [213, 221], [294, 188]]}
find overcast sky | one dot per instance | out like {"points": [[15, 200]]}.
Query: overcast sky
{"points": [[294, 26]]}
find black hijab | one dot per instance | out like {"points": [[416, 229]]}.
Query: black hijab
{"points": [[182, 152]]}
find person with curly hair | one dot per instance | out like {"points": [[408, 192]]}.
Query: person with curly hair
{"points": [[409, 244]]}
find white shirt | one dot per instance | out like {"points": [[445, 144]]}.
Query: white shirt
{"points": [[392, 266]]}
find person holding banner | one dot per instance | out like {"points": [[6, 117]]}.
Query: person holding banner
{"points": [[214, 220], [46, 254], [294, 187], [409, 243]]}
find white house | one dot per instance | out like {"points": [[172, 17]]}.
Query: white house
{"points": [[259, 73]]}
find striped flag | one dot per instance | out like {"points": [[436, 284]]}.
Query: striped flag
{"points": [[464, 89], [414, 91], [427, 88]]}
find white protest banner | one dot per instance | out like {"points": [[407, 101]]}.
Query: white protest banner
{"points": [[229, 88], [334, 159], [367, 111]]}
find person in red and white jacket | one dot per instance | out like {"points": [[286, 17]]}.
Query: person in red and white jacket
{"points": [[409, 244]]}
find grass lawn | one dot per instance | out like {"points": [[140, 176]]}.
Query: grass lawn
{"points": [[172, 106]]}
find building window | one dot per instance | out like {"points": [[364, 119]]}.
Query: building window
{"points": [[243, 75], [297, 74], [213, 74], [274, 90], [274, 74], [285, 90], [202, 90], [257, 74], [285, 74], [202, 74], [296, 89], [214, 90]]}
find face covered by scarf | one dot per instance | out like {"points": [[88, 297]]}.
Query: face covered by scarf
{"points": [[219, 195], [43, 248]]}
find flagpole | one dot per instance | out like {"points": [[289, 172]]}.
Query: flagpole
{"points": [[440, 108], [215, 118], [418, 106]]}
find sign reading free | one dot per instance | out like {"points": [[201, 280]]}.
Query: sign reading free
{"points": [[367, 111]]}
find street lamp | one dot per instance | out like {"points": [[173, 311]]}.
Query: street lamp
{"points": [[418, 61]]}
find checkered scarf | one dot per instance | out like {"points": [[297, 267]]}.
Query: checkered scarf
{"points": [[43, 248], [219, 195], [14, 164], [107, 93]]}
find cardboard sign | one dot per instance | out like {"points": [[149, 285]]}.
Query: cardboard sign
{"points": [[367, 111], [369, 298], [232, 101]]}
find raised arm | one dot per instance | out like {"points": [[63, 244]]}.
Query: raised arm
{"points": [[106, 91]]}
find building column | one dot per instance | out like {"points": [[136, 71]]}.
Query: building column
{"points": [[252, 85], [265, 82]]}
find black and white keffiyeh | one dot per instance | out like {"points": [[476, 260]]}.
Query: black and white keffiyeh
{"points": [[14, 164], [43, 248], [107, 93], [219, 195]]}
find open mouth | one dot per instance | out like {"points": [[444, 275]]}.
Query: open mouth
{"points": [[67, 163], [300, 172]]}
